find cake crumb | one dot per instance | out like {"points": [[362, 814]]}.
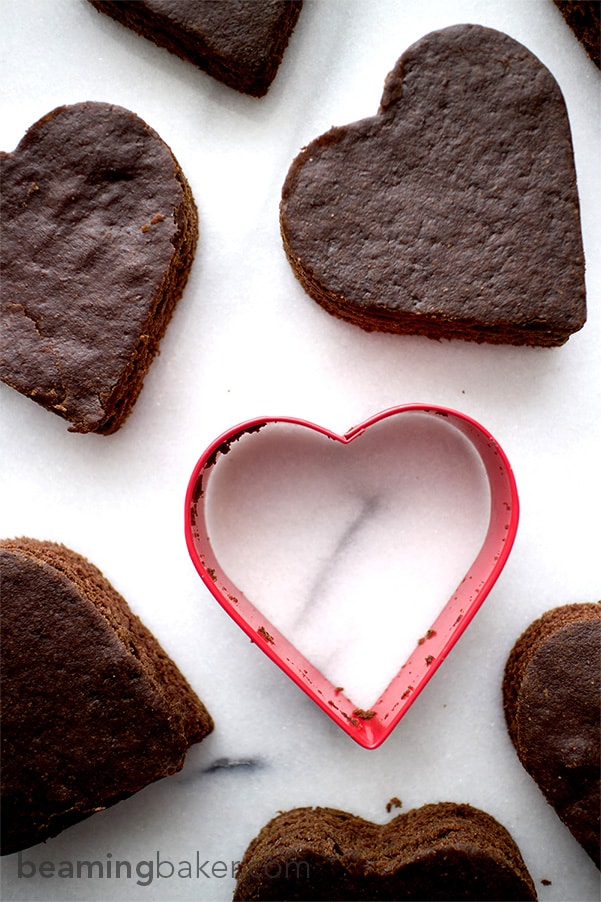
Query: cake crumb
{"points": [[364, 715], [265, 634], [429, 635], [393, 803]]}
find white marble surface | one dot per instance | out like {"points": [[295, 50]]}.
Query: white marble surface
{"points": [[246, 341], [349, 550]]}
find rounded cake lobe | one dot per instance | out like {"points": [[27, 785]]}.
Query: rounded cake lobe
{"points": [[439, 216], [92, 708], [441, 851], [552, 702], [98, 236]]}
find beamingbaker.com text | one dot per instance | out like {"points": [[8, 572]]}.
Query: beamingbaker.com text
{"points": [[156, 867]]}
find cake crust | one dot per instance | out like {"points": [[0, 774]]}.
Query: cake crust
{"points": [[99, 230], [454, 212], [93, 709], [552, 703]]}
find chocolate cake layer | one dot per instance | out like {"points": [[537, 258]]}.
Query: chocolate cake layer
{"points": [[552, 701], [93, 709], [238, 42], [441, 851], [584, 18], [99, 229], [454, 212]]}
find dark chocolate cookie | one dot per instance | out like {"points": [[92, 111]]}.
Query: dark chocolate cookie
{"points": [[99, 229], [241, 43], [92, 707], [454, 212], [437, 852], [552, 700]]}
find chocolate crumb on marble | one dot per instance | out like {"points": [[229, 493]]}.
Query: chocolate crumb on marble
{"points": [[394, 802]]}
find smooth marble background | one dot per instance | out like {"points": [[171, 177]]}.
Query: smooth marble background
{"points": [[246, 341], [349, 549]]}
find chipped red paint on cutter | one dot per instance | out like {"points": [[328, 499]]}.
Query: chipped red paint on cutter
{"points": [[369, 728]]}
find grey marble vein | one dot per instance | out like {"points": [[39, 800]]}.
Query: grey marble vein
{"points": [[324, 576]]}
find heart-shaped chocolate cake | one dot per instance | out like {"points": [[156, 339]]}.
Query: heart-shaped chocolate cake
{"points": [[552, 700], [437, 852], [454, 212], [99, 229], [92, 708], [237, 42]]}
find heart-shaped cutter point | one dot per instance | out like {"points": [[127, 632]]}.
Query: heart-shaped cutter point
{"points": [[369, 728]]}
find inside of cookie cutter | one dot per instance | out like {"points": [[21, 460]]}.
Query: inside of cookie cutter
{"points": [[354, 561]]}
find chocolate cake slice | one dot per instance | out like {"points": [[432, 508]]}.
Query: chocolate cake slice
{"points": [[93, 709], [99, 230], [552, 701], [452, 213], [238, 42], [441, 851]]}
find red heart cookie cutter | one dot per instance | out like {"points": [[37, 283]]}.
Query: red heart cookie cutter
{"points": [[369, 728]]}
